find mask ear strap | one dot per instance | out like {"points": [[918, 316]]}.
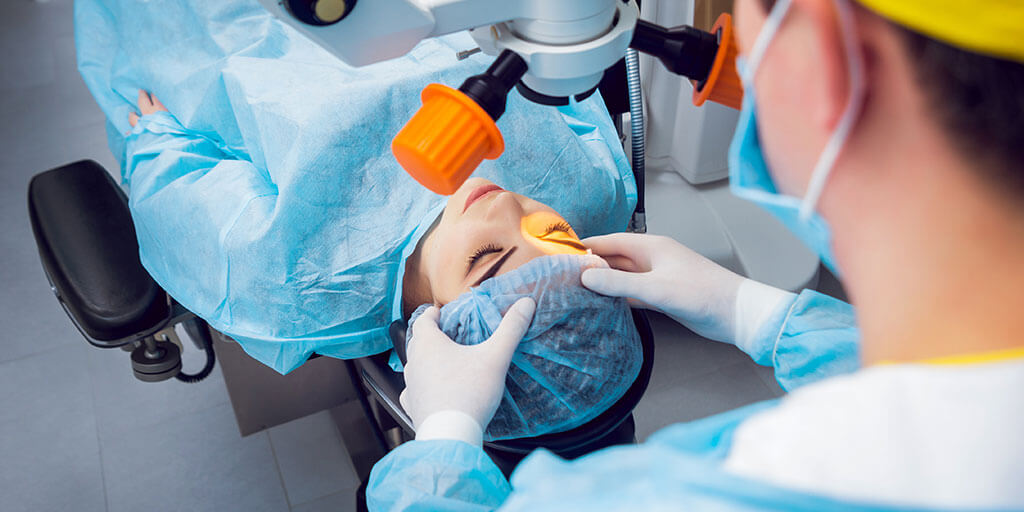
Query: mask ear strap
{"points": [[826, 162], [768, 31]]}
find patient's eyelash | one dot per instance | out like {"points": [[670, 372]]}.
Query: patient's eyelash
{"points": [[559, 226], [481, 252]]}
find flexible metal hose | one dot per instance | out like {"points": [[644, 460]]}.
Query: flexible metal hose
{"points": [[636, 133]]}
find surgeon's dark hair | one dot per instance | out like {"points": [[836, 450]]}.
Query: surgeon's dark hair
{"points": [[978, 99]]}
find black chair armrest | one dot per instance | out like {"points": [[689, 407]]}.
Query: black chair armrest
{"points": [[90, 254]]}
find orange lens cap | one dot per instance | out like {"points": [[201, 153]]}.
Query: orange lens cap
{"points": [[446, 139], [723, 85]]}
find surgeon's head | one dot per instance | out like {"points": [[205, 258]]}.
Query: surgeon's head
{"points": [[484, 232], [927, 75], [938, 126]]}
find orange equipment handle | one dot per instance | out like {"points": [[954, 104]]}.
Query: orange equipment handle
{"points": [[723, 83], [446, 139]]}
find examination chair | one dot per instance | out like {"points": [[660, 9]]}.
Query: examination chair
{"points": [[90, 255]]}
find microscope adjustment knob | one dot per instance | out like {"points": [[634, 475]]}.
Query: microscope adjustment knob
{"points": [[446, 139], [454, 130]]}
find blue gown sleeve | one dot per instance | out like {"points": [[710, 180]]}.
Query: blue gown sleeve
{"points": [[813, 337], [185, 223], [436, 475]]}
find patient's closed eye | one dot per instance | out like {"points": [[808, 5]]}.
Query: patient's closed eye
{"points": [[480, 253], [496, 267]]}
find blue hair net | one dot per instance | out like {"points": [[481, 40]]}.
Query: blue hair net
{"points": [[579, 356], [268, 201]]}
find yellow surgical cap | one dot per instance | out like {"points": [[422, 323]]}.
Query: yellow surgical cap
{"points": [[990, 27]]}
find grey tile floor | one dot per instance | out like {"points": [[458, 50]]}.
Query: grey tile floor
{"points": [[78, 432]]}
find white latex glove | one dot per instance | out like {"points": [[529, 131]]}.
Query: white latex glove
{"points": [[452, 390], [659, 273]]}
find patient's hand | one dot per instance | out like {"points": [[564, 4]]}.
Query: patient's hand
{"points": [[148, 104]]}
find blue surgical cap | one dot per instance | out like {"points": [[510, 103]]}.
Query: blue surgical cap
{"points": [[579, 356]]}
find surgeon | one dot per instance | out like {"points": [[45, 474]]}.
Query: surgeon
{"points": [[888, 135]]}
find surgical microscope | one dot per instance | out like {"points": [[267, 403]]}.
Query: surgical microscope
{"points": [[549, 51]]}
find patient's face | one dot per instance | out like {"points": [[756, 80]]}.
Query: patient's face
{"points": [[486, 231]]}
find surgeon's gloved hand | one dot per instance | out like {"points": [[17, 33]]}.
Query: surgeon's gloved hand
{"points": [[452, 390], [661, 274]]}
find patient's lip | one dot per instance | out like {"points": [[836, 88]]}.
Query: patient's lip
{"points": [[479, 192]]}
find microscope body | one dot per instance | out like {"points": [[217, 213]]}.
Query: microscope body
{"points": [[550, 51], [566, 44]]}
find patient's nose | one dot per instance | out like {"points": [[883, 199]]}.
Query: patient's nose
{"points": [[505, 209]]}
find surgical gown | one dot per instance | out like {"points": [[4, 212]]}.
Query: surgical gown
{"points": [[268, 201], [889, 437]]}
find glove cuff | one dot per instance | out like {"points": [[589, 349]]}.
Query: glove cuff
{"points": [[454, 425], [756, 305]]}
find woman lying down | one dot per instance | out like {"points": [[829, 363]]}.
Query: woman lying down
{"points": [[266, 201], [489, 248]]}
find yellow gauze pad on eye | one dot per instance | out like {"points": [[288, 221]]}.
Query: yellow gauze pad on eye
{"points": [[546, 231]]}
